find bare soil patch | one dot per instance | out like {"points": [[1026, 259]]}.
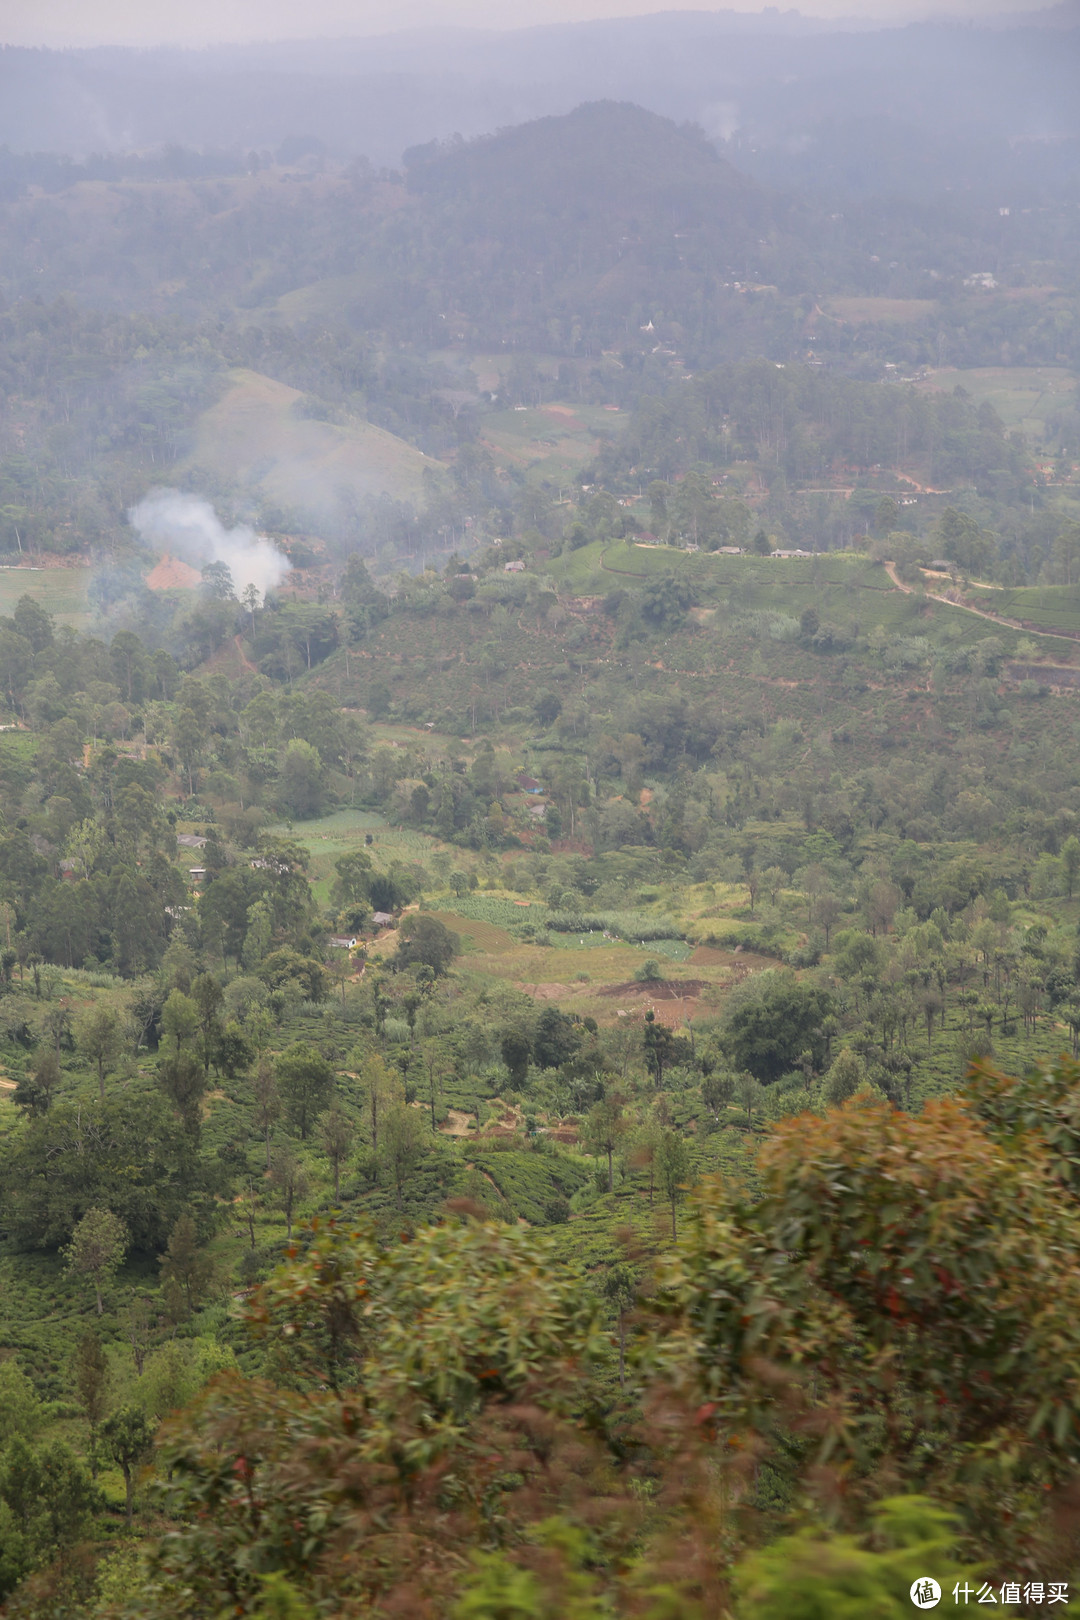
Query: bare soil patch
{"points": [[171, 574], [456, 1123]]}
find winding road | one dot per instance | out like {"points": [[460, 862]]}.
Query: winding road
{"points": [[980, 613]]}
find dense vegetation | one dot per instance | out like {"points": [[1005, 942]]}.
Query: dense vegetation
{"points": [[538, 1054], [601, 258], [899, 879]]}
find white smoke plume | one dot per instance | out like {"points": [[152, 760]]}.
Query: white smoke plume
{"points": [[188, 527]]}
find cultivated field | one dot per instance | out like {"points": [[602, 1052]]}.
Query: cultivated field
{"points": [[60, 591], [860, 311], [1052, 608], [1027, 398], [328, 299], [552, 441]]}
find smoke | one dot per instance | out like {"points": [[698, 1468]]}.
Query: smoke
{"points": [[720, 120], [189, 528]]}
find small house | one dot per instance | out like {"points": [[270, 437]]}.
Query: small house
{"points": [[528, 784], [516, 567], [382, 919], [340, 942]]}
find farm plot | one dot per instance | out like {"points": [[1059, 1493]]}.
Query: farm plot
{"points": [[1029, 398], [60, 591], [600, 979], [553, 441], [861, 311], [530, 1182], [1049, 607], [479, 936], [500, 910], [330, 837]]}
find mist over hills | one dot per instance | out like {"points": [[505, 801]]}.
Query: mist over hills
{"points": [[774, 83], [539, 641], [611, 205]]}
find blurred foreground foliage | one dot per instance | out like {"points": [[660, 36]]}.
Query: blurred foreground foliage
{"points": [[867, 1375]]}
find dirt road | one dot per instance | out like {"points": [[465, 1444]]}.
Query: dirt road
{"points": [[979, 613]]}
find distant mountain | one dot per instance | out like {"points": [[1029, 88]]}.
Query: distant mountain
{"points": [[603, 218], [605, 168], [770, 79], [1064, 15]]}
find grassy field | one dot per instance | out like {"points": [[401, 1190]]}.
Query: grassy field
{"points": [[553, 441], [256, 436], [60, 591], [588, 974], [847, 589], [477, 936], [859, 311], [1050, 607], [1025, 397], [332, 836], [488, 371], [585, 971], [321, 300]]}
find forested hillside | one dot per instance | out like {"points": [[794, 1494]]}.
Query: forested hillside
{"points": [[672, 848], [539, 876]]}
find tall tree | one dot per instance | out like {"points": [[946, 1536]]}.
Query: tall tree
{"points": [[306, 1082], [673, 1170], [380, 1088], [620, 1289], [404, 1143], [1070, 862], [90, 1377], [183, 1080], [129, 1439], [605, 1127], [186, 1269], [99, 1034], [97, 1249], [289, 1178], [336, 1137], [267, 1104]]}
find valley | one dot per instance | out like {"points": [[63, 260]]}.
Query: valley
{"points": [[540, 822]]}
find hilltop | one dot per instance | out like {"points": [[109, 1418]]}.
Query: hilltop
{"points": [[605, 168]]}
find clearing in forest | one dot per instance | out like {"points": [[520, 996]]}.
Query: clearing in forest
{"points": [[258, 435]]}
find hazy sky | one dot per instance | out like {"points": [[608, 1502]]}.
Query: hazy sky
{"points": [[197, 22]]}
